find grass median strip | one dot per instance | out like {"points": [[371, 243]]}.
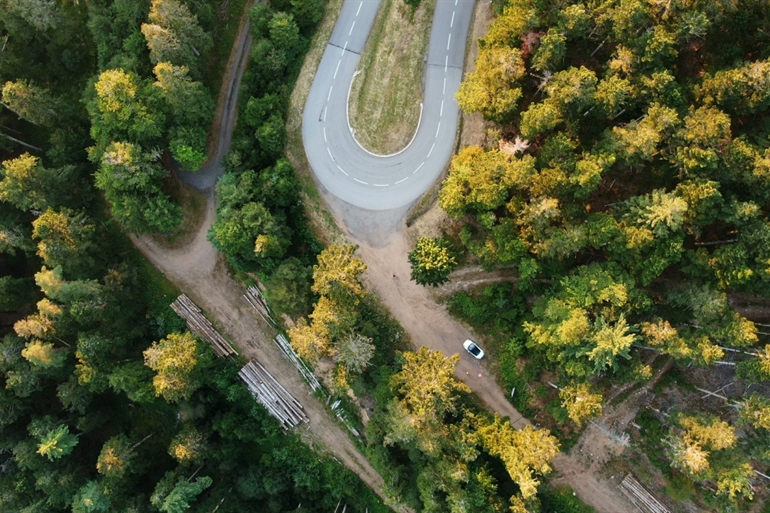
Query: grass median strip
{"points": [[386, 94]]}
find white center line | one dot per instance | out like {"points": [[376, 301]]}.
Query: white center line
{"points": [[326, 108], [452, 23], [455, 2], [325, 140], [443, 93], [431, 150], [344, 48], [330, 93], [359, 8], [381, 184], [343, 171], [418, 168], [402, 180], [449, 40], [446, 63], [351, 28], [438, 128], [440, 114], [338, 68], [330, 152], [360, 181]]}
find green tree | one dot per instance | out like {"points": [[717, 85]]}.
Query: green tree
{"points": [[175, 359], [482, 180], [27, 185], [174, 34], [116, 457], [188, 446], [65, 238], [493, 88], [288, 289], [125, 108], [174, 495], [525, 453], [56, 443], [581, 404], [44, 354], [30, 102], [354, 352], [336, 274], [550, 52], [432, 260], [427, 385], [91, 498]]}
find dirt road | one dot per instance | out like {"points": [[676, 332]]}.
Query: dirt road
{"points": [[198, 270]]}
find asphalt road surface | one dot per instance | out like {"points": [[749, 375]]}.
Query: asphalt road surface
{"points": [[347, 170]]}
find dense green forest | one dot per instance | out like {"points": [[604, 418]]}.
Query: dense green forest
{"points": [[624, 184], [106, 402]]}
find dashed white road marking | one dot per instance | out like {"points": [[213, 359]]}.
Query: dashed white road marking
{"points": [[344, 48], [343, 171], [431, 150], [440, 114], [359, 8], [330, 153], [418, 168], [327, 108], [381, 184], [449, 40], [338, 68], [438, 128], [452, 23], [446, 63], [352, 27], [360, 181], [325, 140], [330, 93], [443, 93], [402, 180]]}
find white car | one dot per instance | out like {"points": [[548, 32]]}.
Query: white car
{"points": [[473, 349]]}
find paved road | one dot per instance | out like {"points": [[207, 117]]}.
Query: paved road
{"points": [[348, 171]]}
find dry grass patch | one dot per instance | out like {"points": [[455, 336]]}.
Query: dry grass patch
{"points": [[385, 99]]}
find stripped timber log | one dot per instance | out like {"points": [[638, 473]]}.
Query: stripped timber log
{"points": [[301, 366], [254, 297], [276, 399], [640, 496], [197, 323]]}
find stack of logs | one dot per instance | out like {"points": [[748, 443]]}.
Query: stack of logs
{"points": [[197, 323], [301, 366], [255, 298], [280, 403], [640, 497]]}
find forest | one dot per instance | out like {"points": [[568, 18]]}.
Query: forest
{"points": [[107, 402], [624, 187]]}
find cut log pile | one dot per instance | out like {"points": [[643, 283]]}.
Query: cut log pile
{"points": [[301, 366], [280, 403], [640, 496], [197, 323], [255, 298]]}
